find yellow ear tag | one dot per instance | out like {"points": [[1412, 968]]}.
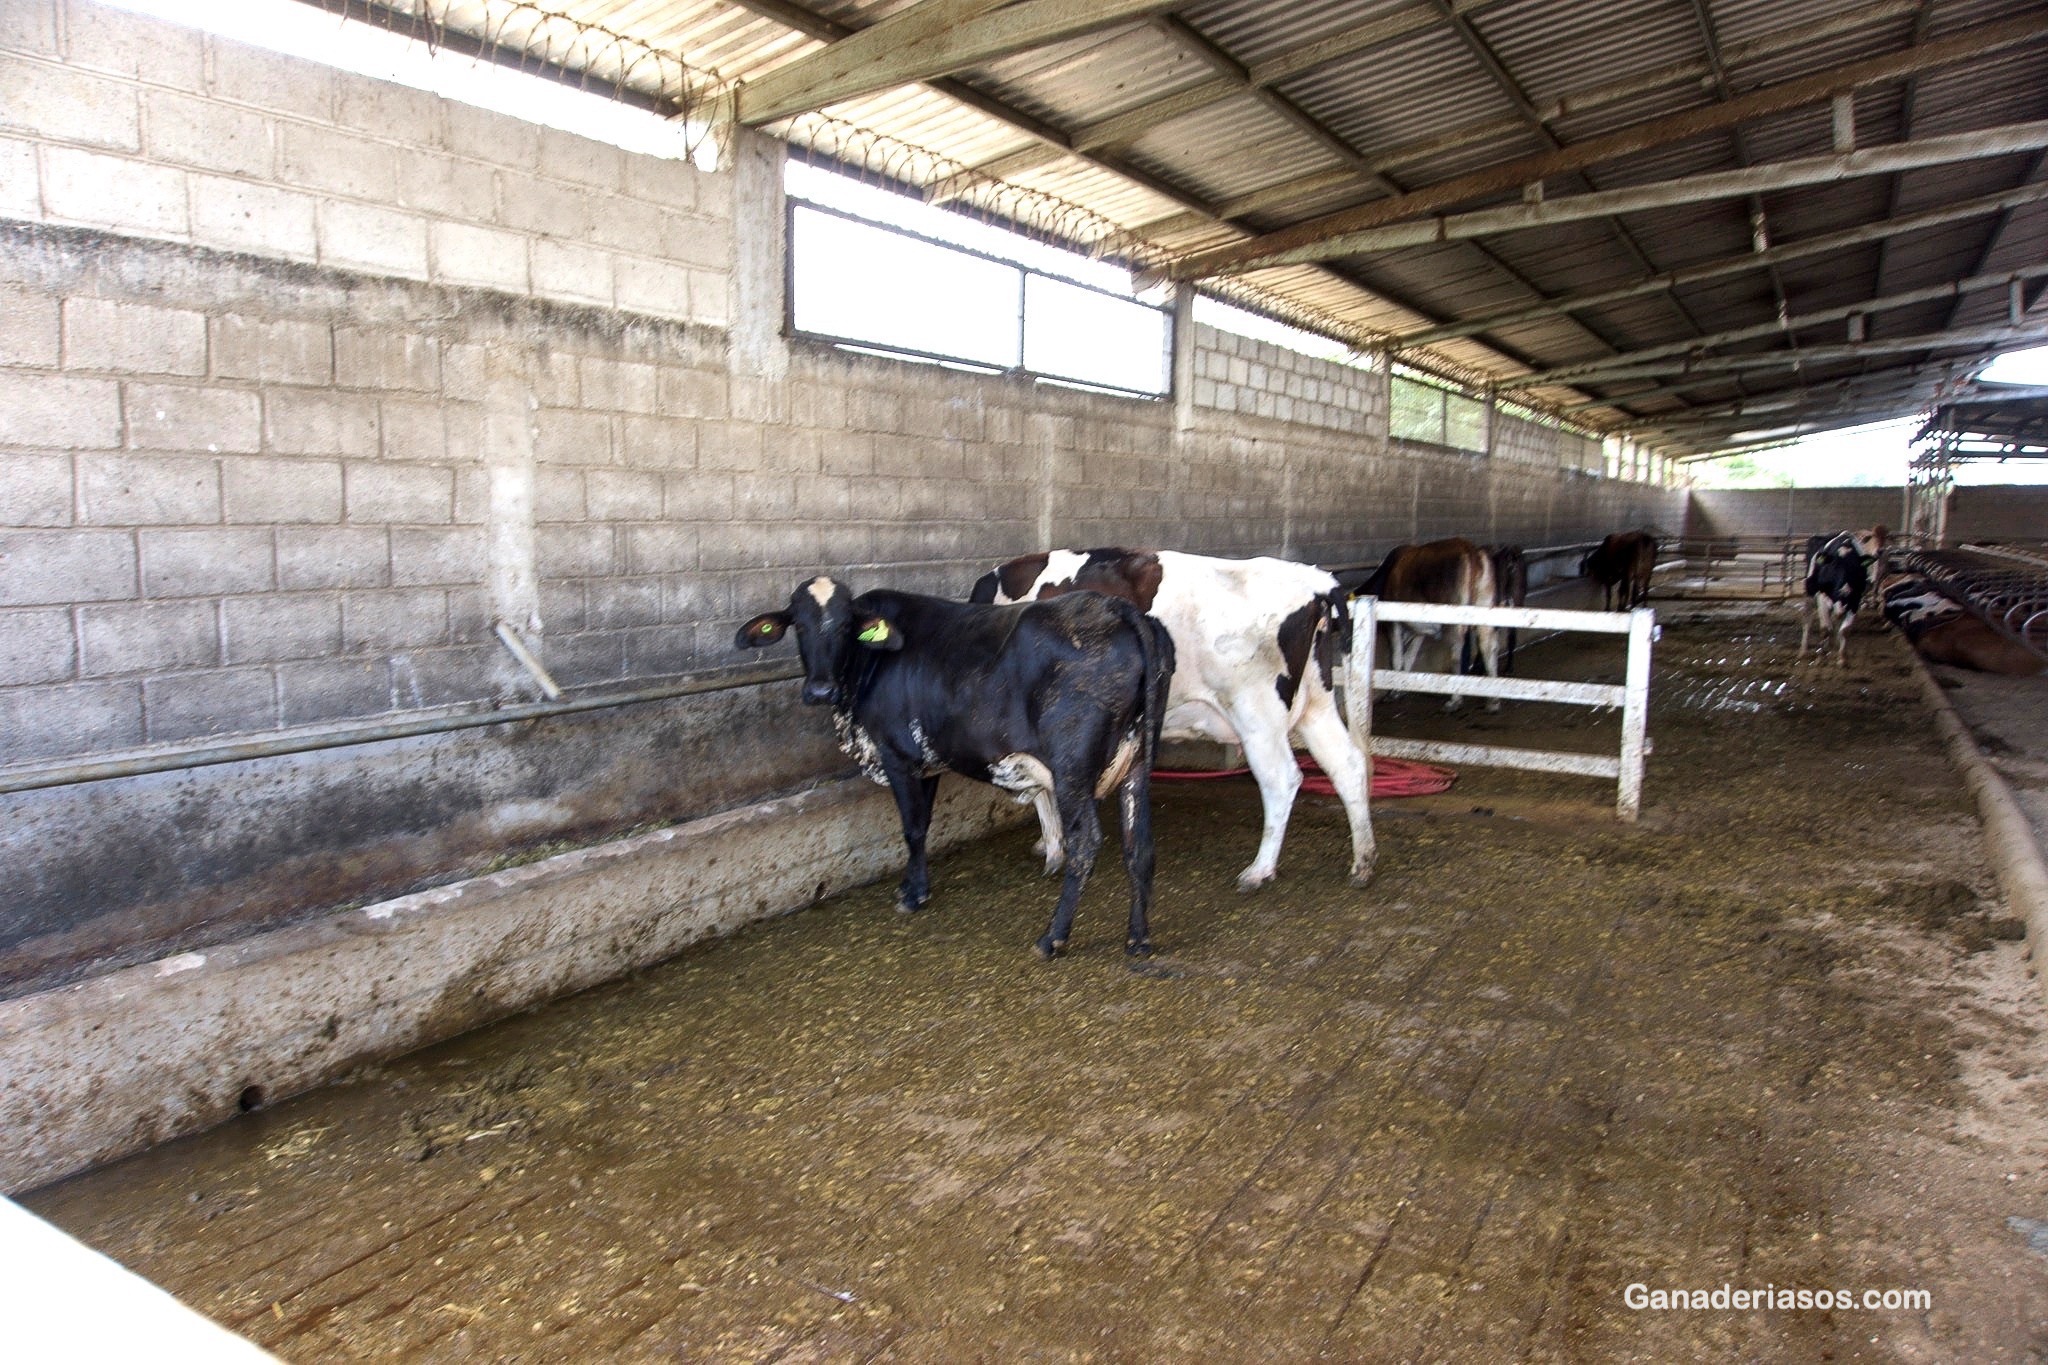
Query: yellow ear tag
{"points": [[875, 633]]}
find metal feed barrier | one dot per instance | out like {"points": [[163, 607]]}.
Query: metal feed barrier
{"points": [[1632, 696], [2007, 587]]}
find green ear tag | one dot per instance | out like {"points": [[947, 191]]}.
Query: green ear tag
{"points": [[875, 633], [767, 628]]}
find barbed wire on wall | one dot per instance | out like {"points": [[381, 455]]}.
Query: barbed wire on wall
{"points": [[529, 37], [889, 162]]}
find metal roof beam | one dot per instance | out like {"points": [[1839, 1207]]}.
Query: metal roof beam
{"points": [[1712, 369], [1873, 407], [1915, 379], [931, 38], [1947, 371], [1997, 232], [1732, 265], [1593, 369], [1314, 239], [1778, 175]]}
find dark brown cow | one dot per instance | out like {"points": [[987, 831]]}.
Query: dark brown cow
{"points": [[1624, 560], [1453, 572]]}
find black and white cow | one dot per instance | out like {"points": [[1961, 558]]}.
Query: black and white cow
{"points": [[1839, 570], [1255, 642], [1057, 702], [1945, 633], [1450, 572]]}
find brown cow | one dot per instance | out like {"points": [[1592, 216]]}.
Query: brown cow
{"points": [[1453, 572], [1624, 560]]}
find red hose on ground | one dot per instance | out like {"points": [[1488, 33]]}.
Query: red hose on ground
{"points": [[1390, 777]]}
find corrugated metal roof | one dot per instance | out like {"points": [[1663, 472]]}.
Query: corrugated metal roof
{"points": [[1341, 123]]}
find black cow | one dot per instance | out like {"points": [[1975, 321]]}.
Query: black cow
{"points": [[1838, 573], [1057, 702], [1624, 561]]}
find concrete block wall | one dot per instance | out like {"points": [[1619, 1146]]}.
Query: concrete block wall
{"points": [[1789, 511], [1994, 512], [1237, 374], [1975, 512], [153, 130], [307, 380]]}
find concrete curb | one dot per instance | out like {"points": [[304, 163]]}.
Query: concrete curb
{"points": [[2015, 855], [109, 1066]]}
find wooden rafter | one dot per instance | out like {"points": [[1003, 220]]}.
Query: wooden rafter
{"points": [[932, 38]]}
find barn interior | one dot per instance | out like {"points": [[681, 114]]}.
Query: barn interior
{"points": [[431, 937]]}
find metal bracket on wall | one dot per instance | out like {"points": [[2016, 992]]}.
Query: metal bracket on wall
{"points": [[518, 650]]}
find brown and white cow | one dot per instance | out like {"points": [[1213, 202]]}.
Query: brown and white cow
{"points": [[1944, 632], [1624, 561], [1450, 572], [1255, 644]]}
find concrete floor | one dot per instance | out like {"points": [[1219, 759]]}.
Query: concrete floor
{"points": [[1775, 1035]]}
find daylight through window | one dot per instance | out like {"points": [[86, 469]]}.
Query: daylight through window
{"points": [[896, 287]]}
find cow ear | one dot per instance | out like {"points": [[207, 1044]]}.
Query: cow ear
{"points": [[879, 632], [764, 629]]}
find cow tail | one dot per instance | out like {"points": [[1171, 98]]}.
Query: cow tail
{"points": [[1159, 664], [1155, 649]]}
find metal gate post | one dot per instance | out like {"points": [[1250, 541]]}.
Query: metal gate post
{"points": [[1635, 711], [1358, 688]]}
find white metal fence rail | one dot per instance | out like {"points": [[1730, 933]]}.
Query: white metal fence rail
{"points": [[1632, 696]]}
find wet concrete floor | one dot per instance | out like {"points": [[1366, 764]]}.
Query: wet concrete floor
{"points": [[1774, 1036]]}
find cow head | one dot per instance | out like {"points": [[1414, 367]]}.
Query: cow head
{"points": [[828, 634]]}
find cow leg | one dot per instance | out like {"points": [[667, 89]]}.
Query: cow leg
{"points": [[914, 804], [1263, 731], [1134, 811], [1805, 624], [1329, 743], [1397, 648], [1842, 638], [1489, 654], [1461, 633], [1083, 829]]}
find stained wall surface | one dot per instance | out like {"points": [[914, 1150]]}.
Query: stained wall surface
{"points": [[307, 381]]}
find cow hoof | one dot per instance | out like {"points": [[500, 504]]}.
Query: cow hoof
{"points": [[1049, 947], [1492, 705], [1362, 877], [1250, 881], [1055, 859], [1137, 947], [906, 906]]}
